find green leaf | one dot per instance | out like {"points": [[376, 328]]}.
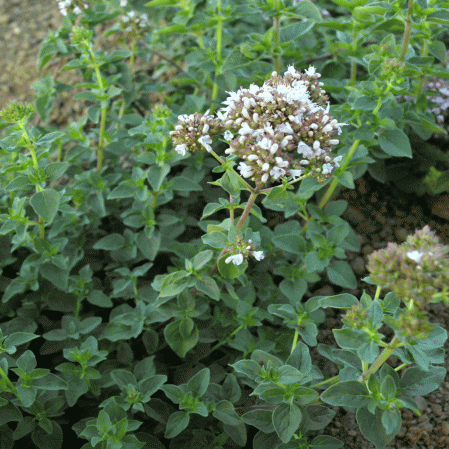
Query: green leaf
{"points": [[347, 394], [111, 242], [180, 345], [341, 301], [46, 203], [249, 368], [19, 338], [286, 420], [216, 239], [261, 419], [176, 423], [438, 49], [44, 440], [224, 411], [55, 170], [209, 287], [340, 273], [291, 32], [326, 442], [372, 428], [395, 143], [98, 298], [229, 270], [417, 382], [198, 384], [287, 237], [56, 275]]}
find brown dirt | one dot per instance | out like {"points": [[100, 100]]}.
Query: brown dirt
{"points": [[378, 213]]}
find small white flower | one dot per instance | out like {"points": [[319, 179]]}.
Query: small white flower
{"points": [[236, 259], [337, 160], [327, 168], [295, 174], [310, 71], [264, 177], [245, 129], [277, 172], [228, 135], [181, 149], [415, 255], [316, 145], [77, 10], [205, 141], [304, 149], [245, 170], [123, 2], [334, 141], [258, 255]]}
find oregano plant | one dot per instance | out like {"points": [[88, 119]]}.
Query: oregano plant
{"points": [[147, 299]]}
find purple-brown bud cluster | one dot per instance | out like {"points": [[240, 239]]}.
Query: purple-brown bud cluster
{"points": [[417, 270]]}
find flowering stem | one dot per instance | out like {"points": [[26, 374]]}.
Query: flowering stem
{"points": [[133, 51], [407, 31], [383, 357], [104, 111], [218, 39], [334, 182], [247, 209], [277, 64]]}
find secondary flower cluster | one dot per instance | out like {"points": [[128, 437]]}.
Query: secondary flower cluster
{"points": [[417, 270], [77, 6], [192, 132], [134, 22], [282, 129], [241, 250]]}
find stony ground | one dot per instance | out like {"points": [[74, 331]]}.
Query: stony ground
{"points": [[378, 213]]}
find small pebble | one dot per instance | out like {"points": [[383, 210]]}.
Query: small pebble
{"points": [[444, 429]]}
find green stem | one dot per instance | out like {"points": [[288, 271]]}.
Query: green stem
{"points": [[247, 210], [276, 40], [104, 111], [353, 63], [218, 39], [331, 380], [218, 345], [383, 357], [133, 50], [9, 383], [407, 31], [334, 182], [30, 146]]}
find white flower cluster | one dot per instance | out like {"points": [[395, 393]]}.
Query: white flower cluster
{"points": [[123, 3], [133, 17], [65, 6], [280, 128]]}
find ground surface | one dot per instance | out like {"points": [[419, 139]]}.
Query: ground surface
{"points": [[378, 213]]}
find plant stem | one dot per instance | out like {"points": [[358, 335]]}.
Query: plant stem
{"points": [[104, 111], [334, 182], [247, 209], [331, 380], [226, 340], [276, 34], [218, 39], [383, 357], [9, 383], [407, 31]]}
